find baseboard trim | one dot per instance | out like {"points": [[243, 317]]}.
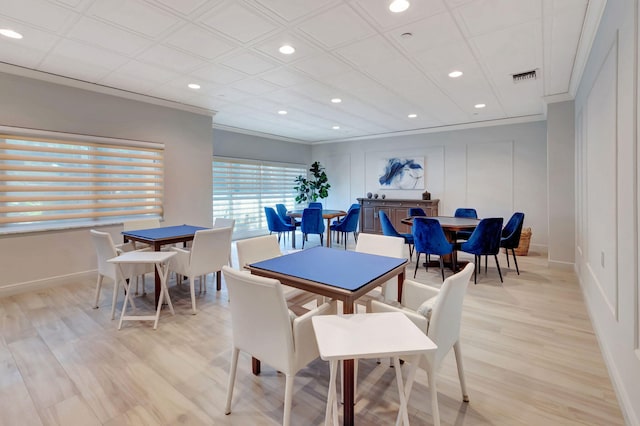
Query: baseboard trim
{"points": [[567, 266], [27, 286]]}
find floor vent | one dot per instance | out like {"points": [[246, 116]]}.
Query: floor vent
{"points": [[523, 76]]}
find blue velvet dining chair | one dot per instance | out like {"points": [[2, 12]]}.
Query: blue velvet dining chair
{"points": [[416, 211], [429, 238], [511, 237], [282, 212], [348, 224], [389, 230], [465, 212], [276, 224], [312, 223], [484, 241], [352, 207], [315, 205]]}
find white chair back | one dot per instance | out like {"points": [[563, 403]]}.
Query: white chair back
{"points": [[257, 249], [105, 250], [223, 222], [444, 325], [383, 245], [210, 250], [260, 320]]}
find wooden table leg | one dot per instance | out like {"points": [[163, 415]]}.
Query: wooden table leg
{"points": [[348, 379], [400, 285], [255, 366], [328, 233]]}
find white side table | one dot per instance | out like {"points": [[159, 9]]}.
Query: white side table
{"points": [[374, 335], [161, 260]]}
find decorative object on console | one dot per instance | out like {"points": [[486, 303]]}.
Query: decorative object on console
{"points": [[369, 195], [426, 195]]}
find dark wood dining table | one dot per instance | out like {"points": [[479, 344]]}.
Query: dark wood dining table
{"points": [[157, 237], [450, 225], [326, 214], [340, 275]]}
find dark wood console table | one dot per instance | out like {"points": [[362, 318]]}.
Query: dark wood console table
{"points": [[396, 209]]}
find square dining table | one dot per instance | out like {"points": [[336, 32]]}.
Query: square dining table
{"points": [[157, 237], [340, 275]]}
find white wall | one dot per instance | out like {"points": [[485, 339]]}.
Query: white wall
{"points": [[239, 145], [498, 170], [32, 260], [607, 197]]}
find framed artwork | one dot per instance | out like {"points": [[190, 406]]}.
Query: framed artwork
{"points": [[401, 173]]}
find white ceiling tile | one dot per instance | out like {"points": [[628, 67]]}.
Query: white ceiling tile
{"points": [[170, 58], [562, 34], [198, 41], [85, 67], [380, 13], [39, 13], [229, 94], [285, 77], [427, 34], [513, 50], [74, 3], [109, 37], [254, 86], [238, 22], [336, 26], [322, 66], [180, 94], [185, 7], [270, 47], [217, 74], [28, 51], [249, 63], [75, 52], [135, 69], [446, 58], [290, 10], [482, 16], [553, 7], [134, 15], [368, 52]]}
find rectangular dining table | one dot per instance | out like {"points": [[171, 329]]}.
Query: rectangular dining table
{"points": [[157, 237], [337, 274]]}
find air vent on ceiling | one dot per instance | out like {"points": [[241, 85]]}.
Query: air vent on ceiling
{"points": [[524, 76]]}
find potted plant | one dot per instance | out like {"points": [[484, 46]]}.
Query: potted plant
{"points": [[316, 186]]}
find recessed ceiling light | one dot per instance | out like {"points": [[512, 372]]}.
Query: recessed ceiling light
{"points": [[282, 112], [479, 106], [398, 6], [412, 115], [336, 127], [406, 35], [286, 49], [336, 100], [193, 86], [455, 74], [10, 33]]}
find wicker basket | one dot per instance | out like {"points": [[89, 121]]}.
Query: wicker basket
{"points": [[525, 239]]}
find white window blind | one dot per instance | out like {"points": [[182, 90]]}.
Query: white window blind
{"points": [[51, 183], [242, 188]]}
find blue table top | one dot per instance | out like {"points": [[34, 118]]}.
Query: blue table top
{"points": [[164, 232], [339, 268]]}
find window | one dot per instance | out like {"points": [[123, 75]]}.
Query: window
{"points": [[242, 188], [60, 183]]}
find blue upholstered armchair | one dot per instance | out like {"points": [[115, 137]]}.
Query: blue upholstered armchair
{"points": [[511, 237], [389, 230], [429, 238], [484, 241], [465, 212], [348, 224], [416, 211], [276, 224], [312, 223]]}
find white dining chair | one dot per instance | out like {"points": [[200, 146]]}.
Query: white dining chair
{"points": [[134, 224], [256, 249], [105, 250], [263, 326], [223, 222], [437, 312], [209, 253]]}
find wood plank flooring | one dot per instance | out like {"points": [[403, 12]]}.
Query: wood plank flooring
{"points": [[530, 357]]}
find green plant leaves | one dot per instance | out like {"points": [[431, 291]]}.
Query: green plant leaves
{"points": [[317, 186]]}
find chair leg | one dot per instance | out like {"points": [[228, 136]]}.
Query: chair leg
{"points": [[98, 287], [506, 252], [442, 267], [321, 239], [417, 263], [475, 270], [434, 396], [515, 260], [288, 397], [486, 261], [355, 236], [232, 379], [115, 298], [192, 288], [304, 238], [498, 266], [218, 280], [463, 385], [345, 235], [410, 251]]}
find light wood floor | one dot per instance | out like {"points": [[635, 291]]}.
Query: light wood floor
{"points": [[530, 354]]}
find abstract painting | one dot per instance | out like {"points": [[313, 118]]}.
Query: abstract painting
{"points": [[402, 173]]}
